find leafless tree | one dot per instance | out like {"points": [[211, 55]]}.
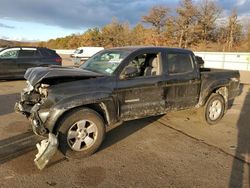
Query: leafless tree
{"points": [[208, 13], [157, 17], [186, 22], [234, 30]]}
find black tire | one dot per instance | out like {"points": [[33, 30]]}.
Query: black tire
{"points": [[209, 111], [70, 124]]}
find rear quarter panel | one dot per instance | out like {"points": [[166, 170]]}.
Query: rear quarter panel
{"points": [[213, 79]]}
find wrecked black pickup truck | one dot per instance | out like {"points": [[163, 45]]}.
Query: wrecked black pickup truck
{"points": [[73, 106]]}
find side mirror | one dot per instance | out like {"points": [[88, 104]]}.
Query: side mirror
{"points": [[200, 61], [129, 72]]}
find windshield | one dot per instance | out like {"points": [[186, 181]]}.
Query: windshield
{"points": [[105, 62]]}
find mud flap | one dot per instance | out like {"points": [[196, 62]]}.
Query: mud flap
{"points": [[46, 149]]}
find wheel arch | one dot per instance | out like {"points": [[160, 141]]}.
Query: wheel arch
{"points": [[217, 87], [105, 108]]}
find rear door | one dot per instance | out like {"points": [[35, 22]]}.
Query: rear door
{"points": [[142, 95], [183, 80], [27, 58], [8, 63]]}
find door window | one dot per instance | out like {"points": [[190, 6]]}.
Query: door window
{"points": [[179, 63], [147, 64], [27, 53], [9, 53]]}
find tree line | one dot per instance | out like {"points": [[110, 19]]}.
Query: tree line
{"points": [[191, 25]]}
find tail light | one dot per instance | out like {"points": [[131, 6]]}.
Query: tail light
{"points": [[58, 60]]}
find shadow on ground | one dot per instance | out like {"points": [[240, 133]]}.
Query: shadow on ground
{"points": [[7, 103], [21, 144], [124, 130], [242, 153], [16, 146]]}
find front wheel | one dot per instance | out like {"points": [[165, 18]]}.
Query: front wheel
{"points": [[80, 133], [214, 109]]}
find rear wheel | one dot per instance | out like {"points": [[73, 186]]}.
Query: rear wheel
{"points": [[214, 109], [80, 133]]}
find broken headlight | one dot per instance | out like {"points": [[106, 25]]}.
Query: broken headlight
{"points": [[43, 90]]}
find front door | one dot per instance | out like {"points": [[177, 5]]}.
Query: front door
{"points": [[8, 63], [27, 58], [142, 94]]}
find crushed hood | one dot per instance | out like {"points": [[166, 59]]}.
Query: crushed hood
{"points": [[36, 75]]}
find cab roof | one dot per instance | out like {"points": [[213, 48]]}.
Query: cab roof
{"points": [[135, 48]]}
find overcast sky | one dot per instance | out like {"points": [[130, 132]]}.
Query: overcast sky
{"points": [[46, 19]]}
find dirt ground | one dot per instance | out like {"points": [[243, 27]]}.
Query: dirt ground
{"points": [[175, 150]]}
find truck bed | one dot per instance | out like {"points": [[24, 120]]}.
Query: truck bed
{"points": [[219, 73]]}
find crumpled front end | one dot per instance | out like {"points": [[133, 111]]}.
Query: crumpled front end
{"points": [[30, 105], [46, 87]]}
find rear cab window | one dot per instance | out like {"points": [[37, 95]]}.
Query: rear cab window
{"points": [[179, 63]]}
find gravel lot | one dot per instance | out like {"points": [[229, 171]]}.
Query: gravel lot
{"points": [[175, 150]]}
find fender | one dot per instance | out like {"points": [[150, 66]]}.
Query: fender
{"points": [[206, 90], [104, 100]]}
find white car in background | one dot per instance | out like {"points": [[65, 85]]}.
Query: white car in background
{"points": [[83, 53]]}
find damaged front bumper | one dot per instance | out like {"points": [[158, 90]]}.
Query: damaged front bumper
{"points": [[31, 112], [46, 150], [48, 147]]}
